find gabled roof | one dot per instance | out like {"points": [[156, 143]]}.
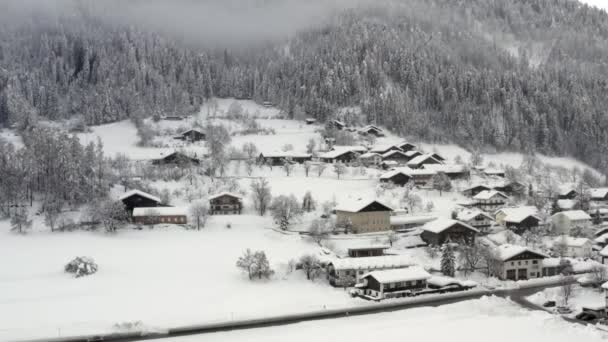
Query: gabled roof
{"points": [[140, 193], [354, 206], [397, 220], [370, 263], [467, 215], [393, 173], [371, 127], [383, 148], [488, 194], [160, 211], [284, 154], [508, 251], [477, 186], [565, 190], [598, 193], [571, 241], [369, 155], [442, 224], [518, 214], [225, 193], [412, 153], [390, 153], [574, 215], [420, 159], [445, 168], [493, 171], [399, 274], [337, 153], [604, 252], [404, 143], [566, 204], [192, 130]]}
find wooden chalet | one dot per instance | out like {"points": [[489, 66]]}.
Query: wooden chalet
{"points": [[160, 215], [439, 231], [138, 199], [452, 171], [397, 156], [490, 200], [370, 159], [419, 161], [395, 283], [382, 149], [364, 215], [225, 203], [372, 130], [280, 158], [411, 154], [192, 135], [422, 178], [176, 158], [336, 124], [340, 155], [397, 177], [492, 172], [519, 219], [511, 188], [367, 251], [406, 146], [476, 219], [438, 157], [567, 194], [599, 194], [474, 190]]}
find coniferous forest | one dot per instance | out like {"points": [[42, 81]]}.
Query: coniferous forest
{"points": [[522, 75]]}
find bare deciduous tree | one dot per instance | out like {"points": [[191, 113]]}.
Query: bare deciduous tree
{"points": [[260, 191]]}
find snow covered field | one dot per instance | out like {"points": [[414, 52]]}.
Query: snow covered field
{"points": [[486, 319], [162, 277]]}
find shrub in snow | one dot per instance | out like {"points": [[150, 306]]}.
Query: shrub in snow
{"points": [[81, 266]]}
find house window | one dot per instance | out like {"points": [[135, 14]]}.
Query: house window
{"points": [[534, 262]]}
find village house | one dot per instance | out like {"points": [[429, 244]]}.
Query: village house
{"points": [[419, 161], [422, 178], [474, 190], [176, 158], [490, 200], [439, 231], [519, 219], [518, 263], [372, 130], [411, 154], [493, 172], [310, 121], [511, 188], [336, 124], [397, 177], [225, 203], [348, 271], [278, 158], [564, 221], [476, 219], [599, 194], [406, 146], [438, 157], [600, 214], [566, 204], [395, 283], [572, 247], [138, 199], [407, 222], [567, 193], [452, 171], [364, 216], [389, 165], [370, 159], [367, 251], [397, 156], [160, 215], [382, 149], [192, 135], [339, 156]]}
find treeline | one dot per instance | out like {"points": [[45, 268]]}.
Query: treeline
{"points": [[53, 168], [506, 74]]}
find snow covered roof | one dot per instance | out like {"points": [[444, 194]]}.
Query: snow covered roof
{"points": [[477, 186], [370, 127], [192, 130], [412, 153], [566, 204], [392, 173], [369, 155], [441, 224], [140, 193], [383, 148], [371, 263], [488, 194], [602, 239], [604, 251], [419, 159], [285, 154], [598, 192], [160, 211], [493, 171], [397, 220], [391, 152], [443, 281], [565, 190], [467, 215], [574, 215], [399, 274], [508, 251], [353, 206], [571, 241], [366, 247], [605, 285], [225, 193], [355, 148], [445, 168], [518, 214], [340, 150]]}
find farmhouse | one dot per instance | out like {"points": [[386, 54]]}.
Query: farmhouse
{"points": [[372, 130], [138, 199], [364, 216], [281, 157], [342, 154], [419, 161], [382, 149], [336, 124], [406, 146], [421, 177], [395, 283], [490, 200], [397, 156], [192, 135], [599, 194], [225, 203], [567, 193], [370, 159], [397, 177], [518, 263], [476, 219], [565, 204], [367, 251], [412, 154], [572, 247], [565, 220], [452, 171], [407, 222], [511, 188], [518, 219], [348, 271], [437, 232], [156, 215], [474, 190], [176, 158]]}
